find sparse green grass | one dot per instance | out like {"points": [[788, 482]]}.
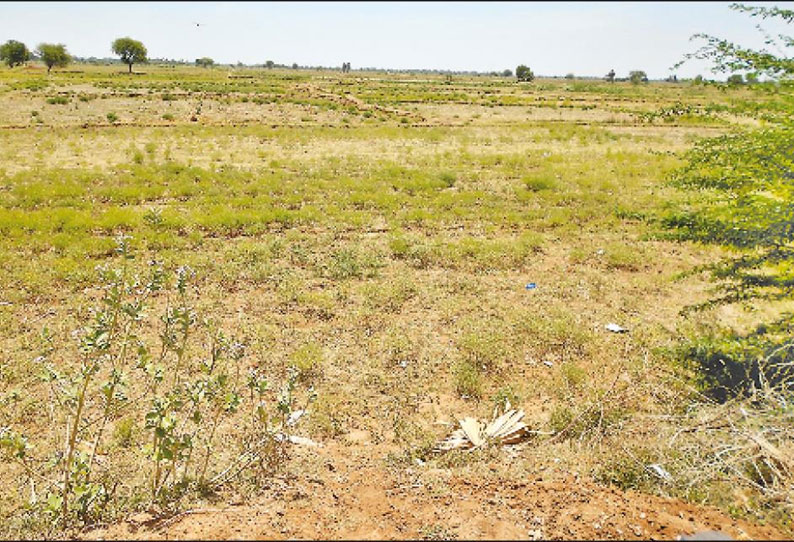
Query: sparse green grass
{"points": [[468, 380], [381, 253]]}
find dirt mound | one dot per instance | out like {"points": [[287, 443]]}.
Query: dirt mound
{"points": [[343, 500]]}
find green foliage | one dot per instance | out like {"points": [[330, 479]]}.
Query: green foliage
{"points": [[504, 396], [621, 256], [14, 53], [178, 405], [574, 376], [130, 51], [54, 55], [205, 62], [745, 184], [727, 365], [735, 79], [638, 76], [124, 432], [523, 73], [448, 178], [390, 296], [749, 180], [727, 56]]}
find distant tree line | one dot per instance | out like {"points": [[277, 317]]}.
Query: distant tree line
{"points": [[130, 52]]}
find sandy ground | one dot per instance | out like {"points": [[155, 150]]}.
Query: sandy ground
{"points": [[347, 496]]}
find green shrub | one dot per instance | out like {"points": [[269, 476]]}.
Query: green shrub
{"points": [[622, 256], [399, 247], [58, 100], [448, 178], [506, 395], [540, 183]]}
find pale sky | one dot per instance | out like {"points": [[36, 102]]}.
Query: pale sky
{"points": [[585, 38]]}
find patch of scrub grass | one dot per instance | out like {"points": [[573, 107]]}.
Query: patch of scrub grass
{"points": [[468, 380], [308, 361], [328, 418], [623, 256], [586, 421], [575, 377], [349, 263], [58, 100], [124, 432], [628, 470], [448, 178], [389, 295], [467, 252], [539, 183], [485, 346]]}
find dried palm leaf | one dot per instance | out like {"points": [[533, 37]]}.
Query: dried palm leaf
{"points": [[507, 429]]}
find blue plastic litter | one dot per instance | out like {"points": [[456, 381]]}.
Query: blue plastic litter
{"points": [[531, 286]]}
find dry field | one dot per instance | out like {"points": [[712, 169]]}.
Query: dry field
{"points": [[357, 247]]}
